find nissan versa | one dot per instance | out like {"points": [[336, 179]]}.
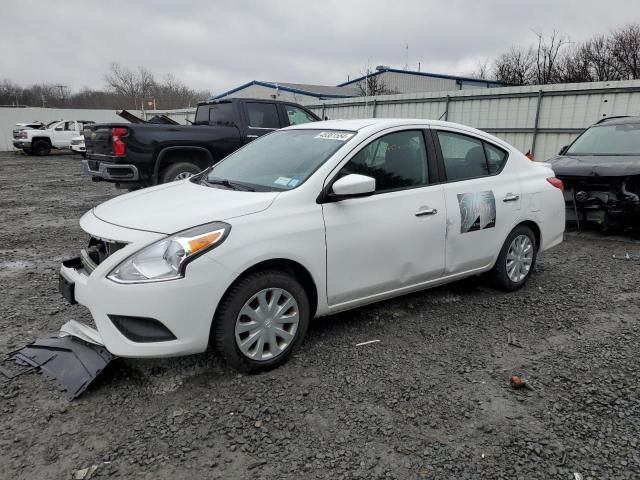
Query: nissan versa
{"points": [[304, 222]]}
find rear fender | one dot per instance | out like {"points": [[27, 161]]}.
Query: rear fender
{"points": [[165, 152]]}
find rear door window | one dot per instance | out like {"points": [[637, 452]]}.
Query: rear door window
{"points": [[263, 115], [467, 157], [496, 158], [221, 114]]}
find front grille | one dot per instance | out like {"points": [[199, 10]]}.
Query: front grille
{"points": [[98, 251]]}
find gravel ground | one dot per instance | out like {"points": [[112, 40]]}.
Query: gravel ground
{"points": [[431, 399]]}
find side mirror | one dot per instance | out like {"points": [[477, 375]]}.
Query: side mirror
{"points": [[563, 150], [354, 185]]}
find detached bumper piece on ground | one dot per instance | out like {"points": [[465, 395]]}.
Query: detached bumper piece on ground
{"points": [[71, 361]]}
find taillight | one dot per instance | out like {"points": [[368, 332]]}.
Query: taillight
{"points": [[556, 182], [119, 147]]}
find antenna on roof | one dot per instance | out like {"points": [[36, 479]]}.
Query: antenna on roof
{"points": [[406, 57]]}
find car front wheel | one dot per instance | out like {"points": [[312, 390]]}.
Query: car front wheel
{"points": [[261, 321], [41, 148], [516, 260]]}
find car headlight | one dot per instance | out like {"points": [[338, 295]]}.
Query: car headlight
{"points": [[167, 259]]}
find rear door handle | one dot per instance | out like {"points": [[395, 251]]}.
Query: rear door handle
{"points": [[425, 211], [510, 197]]}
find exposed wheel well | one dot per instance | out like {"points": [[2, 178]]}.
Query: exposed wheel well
{"points": [[46, 139], [291, 267], [200, 157], [535, 228]]}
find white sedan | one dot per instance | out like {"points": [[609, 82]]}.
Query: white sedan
{"points": [[304, 222]]}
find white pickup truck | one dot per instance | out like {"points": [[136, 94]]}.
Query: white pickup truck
{"points": [[56, 135]]}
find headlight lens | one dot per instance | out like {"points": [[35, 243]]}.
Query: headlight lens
{"points": [[167, 258]]}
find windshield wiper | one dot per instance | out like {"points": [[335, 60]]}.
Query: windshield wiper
{"points": [[229, 184]]}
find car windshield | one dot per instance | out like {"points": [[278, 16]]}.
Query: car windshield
{"points": [[279, 161], [49, 125], [622, 139]]}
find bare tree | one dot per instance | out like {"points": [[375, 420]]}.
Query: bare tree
{"points": [[601, 59], [625, 47], [373, 84], [547, 57], [171, 94], [136, 87], [482, 71], [515, 67], [575, 65]]}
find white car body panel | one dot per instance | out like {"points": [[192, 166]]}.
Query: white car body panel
{"points": [[356, 251], [188, 205]]}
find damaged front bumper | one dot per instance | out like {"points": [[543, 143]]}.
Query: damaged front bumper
{"points": [[73, 359], [605, 201]]}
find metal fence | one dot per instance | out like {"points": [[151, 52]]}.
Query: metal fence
{"points": [[538, 118]]}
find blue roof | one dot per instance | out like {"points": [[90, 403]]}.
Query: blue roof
{"points": [[478, 81], [317, 91]]}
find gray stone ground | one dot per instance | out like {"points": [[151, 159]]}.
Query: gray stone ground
{"points": [[430, 400]]}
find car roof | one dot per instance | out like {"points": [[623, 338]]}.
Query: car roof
{"points": [[618, 120], [372, 125]]}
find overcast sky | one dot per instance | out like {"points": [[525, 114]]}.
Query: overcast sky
{"points": [[216, 46]]}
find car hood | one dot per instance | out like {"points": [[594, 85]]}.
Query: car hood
{"points": [[595, 165], [176, 206]]}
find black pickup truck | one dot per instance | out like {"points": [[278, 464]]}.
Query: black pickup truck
{"points": [[140, 155]]}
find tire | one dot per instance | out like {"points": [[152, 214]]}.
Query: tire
{"points": [[178, 171], [41, 148], [225, 337], [501, 270], [27, 151]]}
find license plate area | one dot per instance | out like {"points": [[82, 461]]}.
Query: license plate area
{"points": [[66, 287]]}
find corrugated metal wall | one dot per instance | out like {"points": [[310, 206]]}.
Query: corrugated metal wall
{"points": [[540, 118], [402, 82]]}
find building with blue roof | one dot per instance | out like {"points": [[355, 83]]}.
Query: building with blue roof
{"points": [[393, 80]]}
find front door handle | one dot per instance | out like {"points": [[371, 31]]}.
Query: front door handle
{"points": [[252, 136], [425, 211], [510, 197]]}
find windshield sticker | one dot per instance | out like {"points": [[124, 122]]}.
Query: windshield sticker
{"points": [[340, 136], [477, 211], [293, 182], [284, 181]]}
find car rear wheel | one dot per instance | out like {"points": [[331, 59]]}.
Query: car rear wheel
{"points": [[261, 321], [179, 171], [516, 260], [41, 148]]}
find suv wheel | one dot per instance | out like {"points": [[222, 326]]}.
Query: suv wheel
{"points": [[261, 321], [516, 260], [179, 171], [41, 148]]}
